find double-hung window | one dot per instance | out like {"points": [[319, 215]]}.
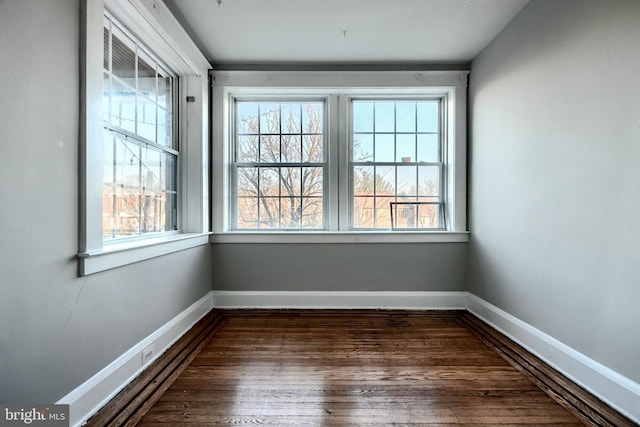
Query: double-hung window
{"points": [[396, 165], [339, 156], [279, 164], [143, 136], [140, 146]]}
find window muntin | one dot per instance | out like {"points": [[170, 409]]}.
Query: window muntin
{"points": [[140, 155], [279, 165], [397, 166]]}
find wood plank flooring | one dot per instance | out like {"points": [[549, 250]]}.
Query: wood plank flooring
{"points": [[337, 368]]}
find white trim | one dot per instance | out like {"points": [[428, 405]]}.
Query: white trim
{"points": [[85, 400], [151, 22], [117, 255], [341, 237], [338, 86], [618, 391], [396, 81], [340, 300]]}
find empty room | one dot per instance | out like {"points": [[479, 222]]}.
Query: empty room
{"points": [[347, 212]]}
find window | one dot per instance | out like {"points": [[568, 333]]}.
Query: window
{"points": [[140, 146], [143, 172], [279, 164], [397, 168], [339, 156]]}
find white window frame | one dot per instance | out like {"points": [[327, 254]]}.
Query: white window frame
{"points": [[338, 88], [152, 24], [232, 210]]}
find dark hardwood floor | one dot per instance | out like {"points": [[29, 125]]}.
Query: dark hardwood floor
{"points": [[337, 368]]}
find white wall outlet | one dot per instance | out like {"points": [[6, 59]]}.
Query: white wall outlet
{"points": [[147, 354]]}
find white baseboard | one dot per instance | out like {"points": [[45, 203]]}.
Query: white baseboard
{"points": [[618, 391], [340, 300], [90, 396]]}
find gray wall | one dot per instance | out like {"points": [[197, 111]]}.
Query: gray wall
{"points": [[555, 175], [57, 330], [339, 267]]}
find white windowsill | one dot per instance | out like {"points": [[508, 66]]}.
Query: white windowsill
{"points": [[117, 255], [342, 237]]}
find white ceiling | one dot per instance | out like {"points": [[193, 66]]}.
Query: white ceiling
{"points": [[343, 31]]}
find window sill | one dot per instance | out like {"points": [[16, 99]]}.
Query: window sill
{"points": [[342, 237], [117, 255]]}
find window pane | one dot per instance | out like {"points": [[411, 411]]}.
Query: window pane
{"points": [[269, 182], [429, 181], [384, 148], [313, 148], [146, 123], [270, 149], [170, 172], [362, 116], [146, 76], [269, 212], [407, 181], [165, 128], [383, 212], [290, 182], [313, 117], [151, 170], [291, 211], [363, 181], [312, 184], [312, 212], [363, 147], [247, 149], [428, 148], [269, 118], [247, 114], [363, 212], [152, 219], [428, 116], [291, 148], [123, 59], [406, 116], [123, 106], [405, 148], [291, 120], [384, 117], [385, 180], [247, 182], [128, 190], [247, 212]]}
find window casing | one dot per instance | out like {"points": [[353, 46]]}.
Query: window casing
{"points": [[144, 174], [422, 196]]}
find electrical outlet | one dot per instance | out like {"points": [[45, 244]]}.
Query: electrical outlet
{"points": [[147, 354]]}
